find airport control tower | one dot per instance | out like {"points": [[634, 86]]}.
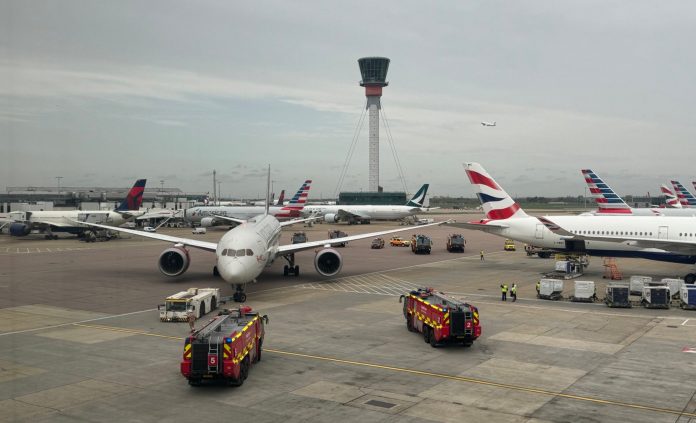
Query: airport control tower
{"points": [[374, 76]]}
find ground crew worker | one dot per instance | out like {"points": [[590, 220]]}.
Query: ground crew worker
{"points": [[191, 318], [538, 287], [513, 292], [503, 292], [482, 256]]}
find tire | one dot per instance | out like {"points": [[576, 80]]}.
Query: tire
{"points": [[213, 304], [242, 297], [194, 382], [201, 312], [215, 271], [258, 352], [245, 369], [426, 334], [297, 270], [285, 270], [690, 278], [409, 324], [433, 341]]}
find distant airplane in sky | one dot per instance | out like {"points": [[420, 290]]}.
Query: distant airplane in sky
{"points": [[488, 123]]}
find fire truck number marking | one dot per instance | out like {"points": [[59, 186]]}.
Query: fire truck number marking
{"points": [[212, 359]]}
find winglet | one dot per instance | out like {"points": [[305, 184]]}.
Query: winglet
{"points": [[553, 227]]}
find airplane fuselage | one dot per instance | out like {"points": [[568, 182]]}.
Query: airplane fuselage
{"points": [[195, 214], [376, 212]]}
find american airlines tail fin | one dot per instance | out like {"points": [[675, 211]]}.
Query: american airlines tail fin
{"points": [[281, 198], [419, 198], [299, 200], [134, 199], [670, 199], [497, 204], [685, 197], [605, 197]]}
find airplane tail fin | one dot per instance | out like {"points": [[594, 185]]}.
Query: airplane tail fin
{"points": [[605, 197], [419, 198], [281, 198], [134, 199], [497, 204], [670, 199], [299, 200], [685, 197]]}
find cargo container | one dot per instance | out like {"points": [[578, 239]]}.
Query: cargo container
{"points": [[656, 297], [637, 283], [585, 291], [551, 289], [687, 299], [617, 295]]}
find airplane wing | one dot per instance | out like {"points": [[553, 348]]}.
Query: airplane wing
{"points": [[203, 245], [679, 246], [345, 214], [293, 248], [231, 219], [485, 225], [290, 222]]}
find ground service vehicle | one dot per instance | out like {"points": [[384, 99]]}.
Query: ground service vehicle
{"points": [[198, 300], [509, 245], [455, 243], [377, 243], [299, 237], [338, 234], [397, 241], [441, 319], [421, 244], [225, 348], [198, 230], [539, 251]]}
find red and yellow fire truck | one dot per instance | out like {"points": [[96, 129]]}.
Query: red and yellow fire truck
{"points": [[441, 319], [225, 348]]}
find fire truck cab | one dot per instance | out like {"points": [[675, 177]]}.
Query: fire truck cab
{"points": [[440, 318], [225, 348]]}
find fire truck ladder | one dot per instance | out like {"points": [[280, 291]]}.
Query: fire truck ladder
{"points": [[213, 349]]}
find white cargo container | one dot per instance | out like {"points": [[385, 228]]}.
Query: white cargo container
{"points": [[673, 285], [687, 299], [198, 300], [584, 291], [656, 297], [637, 283], [550, 289]]}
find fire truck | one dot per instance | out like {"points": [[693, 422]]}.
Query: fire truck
{"points": [[225, 348], [440, 318]]}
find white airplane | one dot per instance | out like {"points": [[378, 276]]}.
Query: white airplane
{"points": [[670, 198], [686, 198], [488, 123], [366, 213], [611, 204], [23, 223], [246, 250], [505, 218], [207, 216]]}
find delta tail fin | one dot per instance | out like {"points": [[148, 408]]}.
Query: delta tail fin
{"points": [[134, 199], [686, 198], [607, 200], [497, 204], [670, 199], [281, 198], [419, 198]]}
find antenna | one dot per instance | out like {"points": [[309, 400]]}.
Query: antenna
{"points": [[268, 190]]}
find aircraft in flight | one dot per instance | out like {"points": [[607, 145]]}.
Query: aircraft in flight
{"points": [[246, 250], [366, 213], [488, 124], [610, 203], [22, 223], [586, 233]]}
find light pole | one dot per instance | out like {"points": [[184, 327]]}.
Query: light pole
{"points": [[161, 193], [219, 193], [58, 178]]}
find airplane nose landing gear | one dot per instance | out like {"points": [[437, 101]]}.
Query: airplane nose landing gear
{"points": [[239, 295]]}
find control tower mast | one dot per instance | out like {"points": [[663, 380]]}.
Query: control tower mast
{"points": [[374, 76]]}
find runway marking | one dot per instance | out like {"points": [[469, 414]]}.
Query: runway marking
{"points": [[38, 250], [457, 378]]}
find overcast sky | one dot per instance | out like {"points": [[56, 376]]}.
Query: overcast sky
{"points": [[104, 92]]}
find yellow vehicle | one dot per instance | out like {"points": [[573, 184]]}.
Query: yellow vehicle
{"points": [[397, 241], [509, 245]]}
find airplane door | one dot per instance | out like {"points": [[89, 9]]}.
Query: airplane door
{"points": [[539, 234], [662, 232]]}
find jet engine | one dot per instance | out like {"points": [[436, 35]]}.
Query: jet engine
{"points": [[207, 222], [331, 218], [328, 262], [19, 229], [174, 261]]}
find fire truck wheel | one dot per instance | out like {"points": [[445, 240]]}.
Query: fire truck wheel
{"points": [[433, 341], [194, 382], [426, 334], [409, 323], [244, 373], [258, 352]]}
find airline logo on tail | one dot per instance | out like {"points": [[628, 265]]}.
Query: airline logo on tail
{"points": [[670, 199], [497, 204], [134, 199], [300, 199], [419, 198], [685, 197], [607, 200], [281, 198]]}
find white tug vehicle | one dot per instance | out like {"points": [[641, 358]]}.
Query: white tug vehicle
{"points": [[198, 300]]}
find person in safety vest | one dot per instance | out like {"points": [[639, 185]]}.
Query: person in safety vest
{"points": [[538, 287], [503, 292], [513, 292]]}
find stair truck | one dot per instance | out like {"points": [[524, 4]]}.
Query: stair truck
{"points": [[225, 348], [198, 300], [455, 243], [421, 244], [440, 318]]}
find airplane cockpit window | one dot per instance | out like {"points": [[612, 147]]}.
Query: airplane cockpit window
{"points": [[224, 252], [241, 253], [249, 252]]}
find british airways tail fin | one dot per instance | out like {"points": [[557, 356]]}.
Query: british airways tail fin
{"points": [[419, 198], [686, 198], [670, 199], [299, 200], [134, 199], [607, 200], [497, 204]]}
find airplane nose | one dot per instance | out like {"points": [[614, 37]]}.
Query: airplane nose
{"points": [[233, 271]]}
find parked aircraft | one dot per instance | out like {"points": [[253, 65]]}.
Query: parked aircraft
{"points": [[670, 199], [505, 218], [488, 123], [246, 250], [366, 213], [611, 204], [207, 216], [686, 198], [71, 221]]}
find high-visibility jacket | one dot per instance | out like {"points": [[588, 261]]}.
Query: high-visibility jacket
{"points": [[538, 286], [513, 290], [504, 288]]}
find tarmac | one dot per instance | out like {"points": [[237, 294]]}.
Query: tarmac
{"points": [[80, 339]]}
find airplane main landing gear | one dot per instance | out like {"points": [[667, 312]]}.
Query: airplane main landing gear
{"points": [[690, 278], [239, 295], [291, 269]]}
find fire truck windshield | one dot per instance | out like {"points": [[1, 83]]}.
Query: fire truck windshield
{"points": [[176, 306]]}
